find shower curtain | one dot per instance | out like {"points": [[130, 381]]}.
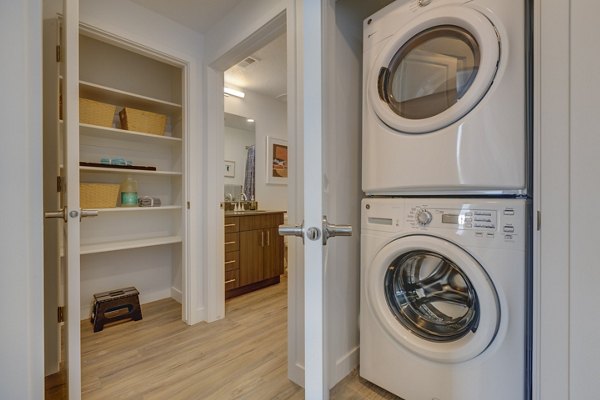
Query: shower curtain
{"points": [[250, 177]]}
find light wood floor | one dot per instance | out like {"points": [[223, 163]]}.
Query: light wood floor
{"points": [[243, 356]]}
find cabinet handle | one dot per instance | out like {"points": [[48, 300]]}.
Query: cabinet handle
{"points": [[226, 243], [230, 262], [268, 238], [229, 225], [230, 281], [262, 239]]}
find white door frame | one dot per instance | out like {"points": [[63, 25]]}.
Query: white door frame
{"points": [[213, 183]]}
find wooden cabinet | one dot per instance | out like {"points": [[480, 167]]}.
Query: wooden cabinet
{"points": [[257, 254]]}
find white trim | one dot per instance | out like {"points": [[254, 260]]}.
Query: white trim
{"points": [[344, 365]]}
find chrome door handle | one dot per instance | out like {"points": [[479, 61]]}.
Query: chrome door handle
{"points": [[333, 230], [88, 213], [292, 230], [289, 230], [57, 214]]}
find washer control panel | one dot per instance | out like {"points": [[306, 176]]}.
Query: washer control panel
{"points": [[475, 219]]}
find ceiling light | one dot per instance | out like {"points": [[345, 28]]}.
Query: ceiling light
{"points": [[250, 120], [233, 92]]}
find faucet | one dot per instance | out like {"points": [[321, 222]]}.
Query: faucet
{"points": [[243, 197], [228, 197]]}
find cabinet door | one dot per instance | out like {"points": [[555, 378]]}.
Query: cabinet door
{"points": [[251, 256], [273, 254]]}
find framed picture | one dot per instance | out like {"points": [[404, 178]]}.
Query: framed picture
{"points": [[277, 161], [230, 169]]}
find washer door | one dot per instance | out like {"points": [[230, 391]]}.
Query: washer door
{"points": [[433, 298], [434, 70]]}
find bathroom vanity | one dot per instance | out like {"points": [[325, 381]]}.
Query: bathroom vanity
{"points": [[254, 250]]}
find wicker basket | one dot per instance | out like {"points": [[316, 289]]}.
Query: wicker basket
{"points": [[96, 113], [98, 195], [142, 121]]}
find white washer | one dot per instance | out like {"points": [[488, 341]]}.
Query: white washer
{"points": [[444, 98], [443, 297]]}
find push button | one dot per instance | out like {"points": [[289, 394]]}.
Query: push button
{"points": [[490, 235], [509, 228], [509, 211]]}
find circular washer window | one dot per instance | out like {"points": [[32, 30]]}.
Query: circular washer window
{"points": [[434, 69], [431, 296], [431, 72]]}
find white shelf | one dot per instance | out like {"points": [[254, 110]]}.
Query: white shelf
{"points": [[128, 171], [128, 244], [121, 134], [118, 97], [137, 209]]}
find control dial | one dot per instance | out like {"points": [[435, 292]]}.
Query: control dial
{"points": [[424, 217]]}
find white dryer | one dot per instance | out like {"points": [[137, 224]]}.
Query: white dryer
{"points": [[443, 297], [444, 108]]}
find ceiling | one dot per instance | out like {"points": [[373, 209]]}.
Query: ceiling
{"points": [[267, 76], [198, 15]]}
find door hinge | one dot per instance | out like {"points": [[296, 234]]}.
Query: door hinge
{"points": [[58, 53], [188, 205], [539, 220], [61, 314], [59, 184]]}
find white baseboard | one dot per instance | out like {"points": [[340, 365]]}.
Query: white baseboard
{"points": [[344, 365], [176, 295]]}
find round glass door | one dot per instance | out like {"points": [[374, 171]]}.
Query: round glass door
{"points": [[431, 296], [435, 69], [431, 72]]}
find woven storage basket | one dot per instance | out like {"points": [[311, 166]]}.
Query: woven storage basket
{"points": [[98, 195], [96, 113], [142, 121]]}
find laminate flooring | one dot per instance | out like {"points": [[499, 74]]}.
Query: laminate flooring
{"points": [[243, 356]]}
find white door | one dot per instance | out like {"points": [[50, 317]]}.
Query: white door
{"points": [[69, 212], [315, 230]]}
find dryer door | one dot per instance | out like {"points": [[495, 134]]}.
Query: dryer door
{"points": [[434, 70], [433, 298]]}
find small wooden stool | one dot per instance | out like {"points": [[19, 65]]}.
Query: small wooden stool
{"points": [[114, 306]]}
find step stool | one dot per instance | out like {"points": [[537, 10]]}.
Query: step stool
{"points": [[115, 305]]}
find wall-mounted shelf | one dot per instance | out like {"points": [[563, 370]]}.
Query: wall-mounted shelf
{"points": [[128, 171], [110, 95], [137, 209], [123, 135], [127, 244]]}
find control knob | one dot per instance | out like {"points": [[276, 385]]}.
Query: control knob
{"points": [[424, 217]]}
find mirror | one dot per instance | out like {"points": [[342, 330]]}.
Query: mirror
{"points": [[239, 158]]}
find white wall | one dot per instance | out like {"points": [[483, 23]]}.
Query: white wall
{"points": [[235, 142], [585, 192], [568, 298], [270, 118], [21, 255]]}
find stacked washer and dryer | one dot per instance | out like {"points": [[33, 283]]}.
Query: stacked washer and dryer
{"points": [[444, 290]]}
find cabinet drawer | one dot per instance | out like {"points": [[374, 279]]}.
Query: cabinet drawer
{"points": [[232, 279], [232, 260], [232, 242], [253, 222], [232, 224]]}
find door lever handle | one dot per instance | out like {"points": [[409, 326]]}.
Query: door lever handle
{"points": [[57, 214], [292, 230], [333, 230]]}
